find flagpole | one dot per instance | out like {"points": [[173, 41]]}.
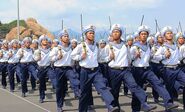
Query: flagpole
{"points": [[18, 25]]}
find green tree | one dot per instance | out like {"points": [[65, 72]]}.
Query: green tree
{"points": [[5, 28]]}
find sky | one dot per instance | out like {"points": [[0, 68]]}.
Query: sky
{"points": [[128, 13]]}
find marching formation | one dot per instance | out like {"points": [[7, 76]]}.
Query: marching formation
{"points": [[139, 60]]}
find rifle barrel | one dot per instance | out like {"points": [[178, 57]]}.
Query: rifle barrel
{"points": [[142, 20], [110, 22]]}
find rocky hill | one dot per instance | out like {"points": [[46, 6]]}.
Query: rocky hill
{"points": [[30, 27]]}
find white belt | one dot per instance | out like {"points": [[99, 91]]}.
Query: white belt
{"points": [[171, 66]]}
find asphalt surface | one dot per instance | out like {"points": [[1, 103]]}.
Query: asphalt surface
{"points": [[13, 102]]}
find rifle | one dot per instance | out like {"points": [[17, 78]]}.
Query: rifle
{"points": [[180, 26], [142, 20], [110, 23], [157, 26], [62, 24], [83, 40]]}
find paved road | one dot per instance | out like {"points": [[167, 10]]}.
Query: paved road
{"points": [[13, 102]]}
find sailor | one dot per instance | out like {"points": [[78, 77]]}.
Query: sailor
{"points": [[41, 55], [74, 43], [18, 66], [55, 43], [140, 54], [171, 56], [52, 74], [129, 43], [63, 64], [136, 36], [87, 55], [4, 62], [150, 41], [34, 46], [181, 45], [12, 63], [27, 67], [129, 40], [178, 88], [157, 66], [103, 60]]}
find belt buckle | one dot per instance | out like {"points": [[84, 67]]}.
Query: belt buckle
{"points": [[145, 67], [92, 69], [121, 68]]}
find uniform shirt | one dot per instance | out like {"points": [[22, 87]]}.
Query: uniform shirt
{"points": [[121, 54], [66, 56], [175, 57], [27, 55], [91, 61], [103, 55], [144, 59], [45, 59], [182, 52], [5, 55], [154, 49], [14, 58]]}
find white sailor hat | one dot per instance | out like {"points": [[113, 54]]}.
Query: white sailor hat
{"points": [[129, 37], [27, 39], [5, 42], [166, 29], [89, 28], [56, 40], [42, 37], [116, 27], [136, 34], [143, 28], [14, 41], [74, 40], [149, 38], [35, 41], [62, 33], [179, 34], [157, 35], [102, 41]]}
